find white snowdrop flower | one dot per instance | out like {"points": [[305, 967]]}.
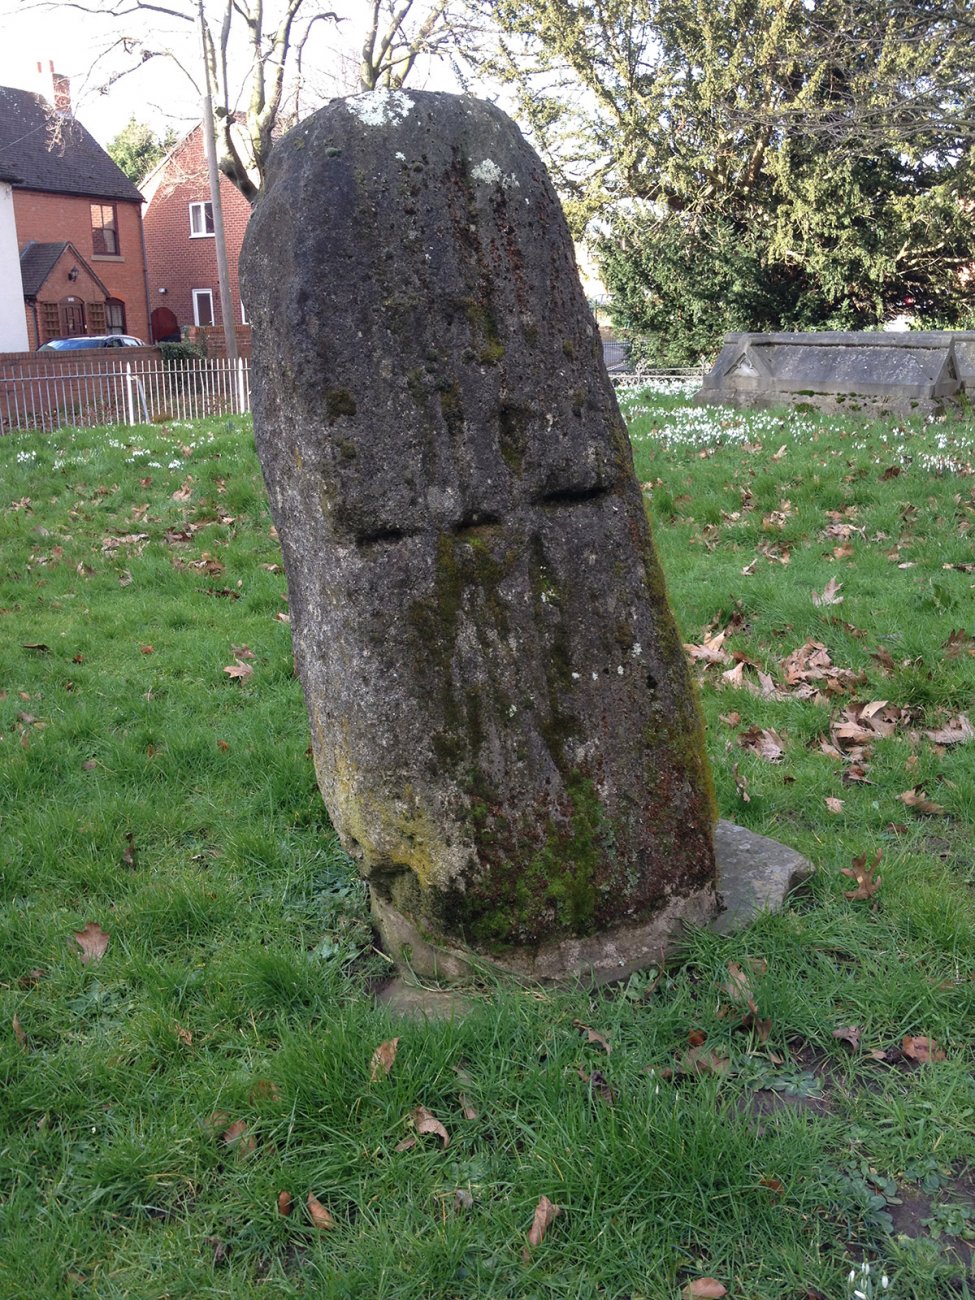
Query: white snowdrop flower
{"points": [[852, 1277], [619, 669], [575, 677], [637, 650], [175, 464], [400, 157], [595, 677]]}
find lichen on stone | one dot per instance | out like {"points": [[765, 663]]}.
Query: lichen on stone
{"points": [[380, 107]]}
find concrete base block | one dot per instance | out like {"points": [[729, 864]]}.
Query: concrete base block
{"points": [[755, 874]]}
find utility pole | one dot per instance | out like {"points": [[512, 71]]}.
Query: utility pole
{"points": [[219, 235]]}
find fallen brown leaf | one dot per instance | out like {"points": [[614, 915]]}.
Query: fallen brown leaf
{"points": [[920, 802], [848, 1034], [239, 1139], [318, 1214], [921, 1049], [730, 719], [239, 670], [741, 784], [545, 1214], [704, 1060], [184, 1035], [767, 744], [704, 1288], [93, 942], [382, 1060], [19, 1034], [597, 1082], [286, 1203], [406, 1144], [828, 596], [867, 883], [593, 1036], [426, 1122], [834, 805], [957, 731]]}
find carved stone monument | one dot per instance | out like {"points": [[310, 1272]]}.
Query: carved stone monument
{"points": [[876, 373], [505, 732]]}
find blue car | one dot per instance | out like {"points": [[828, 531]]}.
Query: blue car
{"points": [[92, 341]]}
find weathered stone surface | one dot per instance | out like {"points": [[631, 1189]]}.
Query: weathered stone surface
{"points": [[911, 373], [756, 874], [504, 728]]}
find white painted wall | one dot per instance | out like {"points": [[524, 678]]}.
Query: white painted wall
{"points": [[13, 324]]}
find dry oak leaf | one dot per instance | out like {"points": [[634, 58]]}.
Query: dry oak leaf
{"points": [[956, 731], [704, 1288], [382, 1060], [93, 942], [239, 1139], [920, 802], [848, 1034], [286, 1203], [921, 1049], [834, 805], [426, 1122], [593, 1036], [828, 596], [318, 1214], [767, 744], [239, 670], [710, 650], [545, 1213], [867, 882]]}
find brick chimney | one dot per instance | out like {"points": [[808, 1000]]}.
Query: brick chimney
{"points": [[59, 93]]}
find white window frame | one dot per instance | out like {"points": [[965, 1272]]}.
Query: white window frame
{"points": [[243, 314], [198, 294], [198, 217]]}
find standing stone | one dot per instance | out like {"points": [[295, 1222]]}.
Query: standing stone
{"points": [[505, 731]]}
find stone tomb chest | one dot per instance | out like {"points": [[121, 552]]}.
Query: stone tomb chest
{"points": [[911, 373]]}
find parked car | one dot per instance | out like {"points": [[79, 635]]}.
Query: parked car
{"points": [[92, 341]]}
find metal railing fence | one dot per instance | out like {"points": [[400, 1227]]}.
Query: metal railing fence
{"points": [[140, 391]]}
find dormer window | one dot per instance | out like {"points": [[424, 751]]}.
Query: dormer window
{"points": [[201, 220]]}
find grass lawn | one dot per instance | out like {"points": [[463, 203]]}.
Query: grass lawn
{"points": [[186, 962]]}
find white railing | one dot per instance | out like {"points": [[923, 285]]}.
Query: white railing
{"points": [[140, 391]]}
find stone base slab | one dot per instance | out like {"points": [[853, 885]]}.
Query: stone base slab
{"points": [[755, 874]]}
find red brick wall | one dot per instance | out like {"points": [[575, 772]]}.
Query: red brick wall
{"points": [[50, 218], [178, 262]]}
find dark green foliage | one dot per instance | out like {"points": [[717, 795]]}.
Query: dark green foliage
{"points": [[137, 148], [759, 164]]}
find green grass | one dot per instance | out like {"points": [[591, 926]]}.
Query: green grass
{"points": [[236, 984]]}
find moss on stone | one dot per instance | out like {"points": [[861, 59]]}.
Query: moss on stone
{"points": [[339, 402]]}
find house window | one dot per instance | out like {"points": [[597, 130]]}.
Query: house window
{"points": [[104, 230], [201, 220], [114, 316], [243, 315], [202, 306]]}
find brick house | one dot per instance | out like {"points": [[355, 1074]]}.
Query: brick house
{"points": [[78, 220], [180, 244]]}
